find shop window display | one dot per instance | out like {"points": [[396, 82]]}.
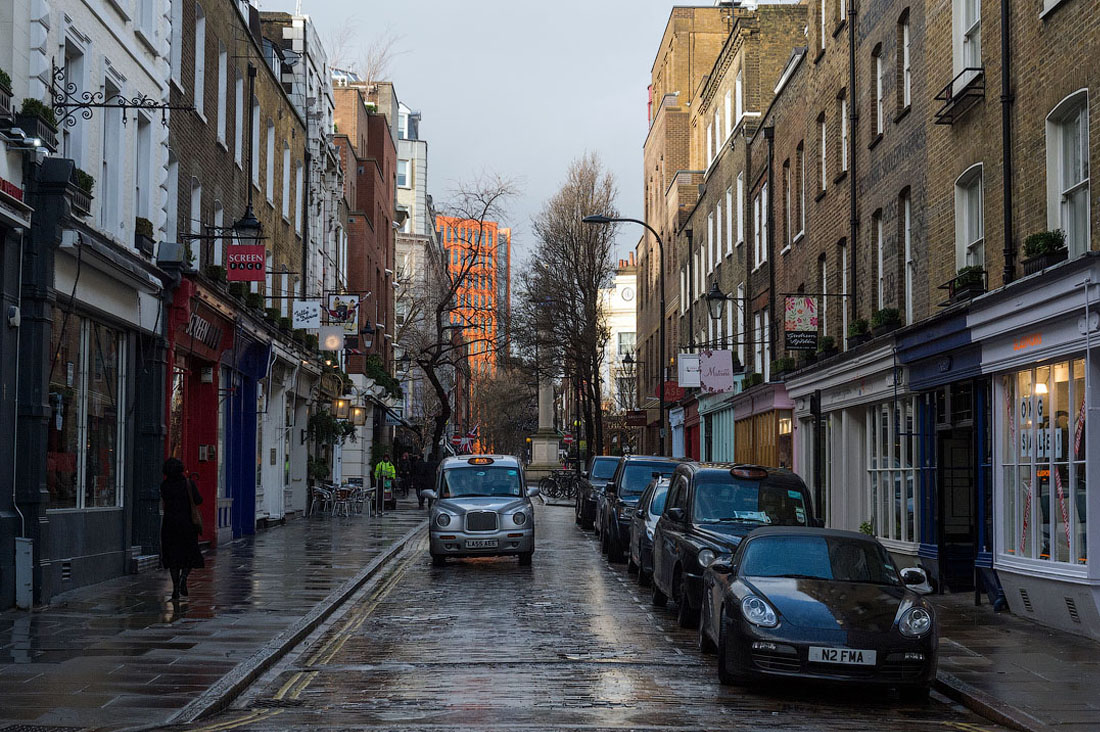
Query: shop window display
{"points": [[891, 467]]}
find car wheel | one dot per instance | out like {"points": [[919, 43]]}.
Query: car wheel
{"points": [[586, 523], [644, 578], [631, 567], [438, 560], [614, 550], [659, 598], [577, 513], [686, 615], [914, 694], [725, 674], [706, 645], [525, 559], [603, 542]]}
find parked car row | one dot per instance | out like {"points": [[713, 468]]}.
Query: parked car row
{"points": [[744, 558]]}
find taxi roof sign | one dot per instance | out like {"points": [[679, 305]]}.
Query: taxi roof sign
{"points": [[480, 461]]}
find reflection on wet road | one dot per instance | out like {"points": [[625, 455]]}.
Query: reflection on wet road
{"points": [[569, 643]]}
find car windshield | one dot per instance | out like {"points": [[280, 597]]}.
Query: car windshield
{"points": [[481, 480], [819, 557], [657, 503], [637, 476], [603, 468], [749, 501]]}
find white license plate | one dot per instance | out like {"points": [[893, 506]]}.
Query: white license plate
{"points": [[850, 656], [481, 543]]}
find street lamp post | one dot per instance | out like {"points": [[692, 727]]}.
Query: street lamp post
{"points": [[662, 372]]}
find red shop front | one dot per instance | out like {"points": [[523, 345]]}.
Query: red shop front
{"points": [[691, 429], [200, 330]]}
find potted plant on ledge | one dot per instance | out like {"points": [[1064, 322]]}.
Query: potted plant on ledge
{"points": [[143, 235], [968, 283], [215, 273], [5, 94], [884, 321], [1043, 250], [857, 333], [827, 347], [782, 366], [81, 186], [38, 120]]}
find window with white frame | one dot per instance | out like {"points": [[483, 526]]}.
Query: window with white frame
{"points": [[86, 436], [143, 167], [892, 450], [683, 290], [767, 338], [788, 219], [219, 244], [195, 213], [740, 209], [175, 58], [72, 137], [1068, 171], [200, 59], [822, 32], [109, 191], [757, 259], [740, 322], [255, 142], [223, 90], [843, 9], [843, 111], [739, 95], [823, 144], [712, 244], [403, 174], [823, 283], [966, 17], [969, 219], [729, 219], [880, 258], [907, 242], [729, 112], [842, 263], [171, 208], [800, 154], [299, 192], [286, 181], [880, 121], [146, 19], [1041, 428], [758, 343], [905, 61], [764, 223], [269, 187]]}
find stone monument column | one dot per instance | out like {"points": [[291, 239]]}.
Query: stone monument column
{"points": [[544, 443]]}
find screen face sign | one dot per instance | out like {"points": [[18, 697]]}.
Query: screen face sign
{"points": [[246, 263]]}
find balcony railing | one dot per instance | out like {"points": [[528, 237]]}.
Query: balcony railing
{"points": [[962, 93]]}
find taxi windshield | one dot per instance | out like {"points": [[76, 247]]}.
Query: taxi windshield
{"points": [[481, 480], [730, 499]]}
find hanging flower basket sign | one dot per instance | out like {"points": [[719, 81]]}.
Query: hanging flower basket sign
{"points": [[246, 263], [800, 323]]}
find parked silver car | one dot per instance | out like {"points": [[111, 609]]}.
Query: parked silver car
{"points": [[481, 506]]}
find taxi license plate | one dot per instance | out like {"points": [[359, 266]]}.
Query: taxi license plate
{"points": [[849, 656], [481, 544]]}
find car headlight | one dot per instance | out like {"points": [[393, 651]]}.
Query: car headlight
{"points": [[443, 519], [759, 612], [915, 622], [706, 557], [519, 518]]}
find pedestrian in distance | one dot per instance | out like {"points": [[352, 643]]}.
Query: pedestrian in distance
{"points": [[384, 472], [421, 478], [180, 526], [404, 473]]}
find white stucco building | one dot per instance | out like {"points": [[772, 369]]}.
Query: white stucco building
{"points": [[619, 304]]}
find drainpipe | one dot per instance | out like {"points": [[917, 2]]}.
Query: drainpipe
{"points": [[853, 118], [769, 135], [690, 293], [1006, 145]]}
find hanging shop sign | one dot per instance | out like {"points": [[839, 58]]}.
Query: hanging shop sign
{"points": [[246, 263], [674, 392], [716, 371], [800, 323], [688, 370], [306, 314], [636, 418], [343, 310]]}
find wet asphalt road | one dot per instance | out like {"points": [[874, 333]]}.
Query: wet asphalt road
{"points": [[569, 643]]}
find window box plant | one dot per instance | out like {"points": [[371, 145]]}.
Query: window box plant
{"points": [[272, 314], [284, 323], [1043, 250], [143, 235], [254, 300], [808, 359], [5, 94], [826, 347], [312, 342], [885, 320], [81, 186], [38, 120], [238, 289], [782, 365], [751, 380], [215, 272], [858, 333], [969, 282], [299, 335]]}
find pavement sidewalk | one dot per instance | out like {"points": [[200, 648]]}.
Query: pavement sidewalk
{"points": [[1014, 671], [119, 654]]}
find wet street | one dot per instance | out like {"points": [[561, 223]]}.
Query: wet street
{"points": [[570, 643]]}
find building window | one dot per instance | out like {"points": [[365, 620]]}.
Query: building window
{"points": [[299, 190], [1042, 448], [286, 181], [729, 112], [625, 344], [906, 71], [195, 211], [842, 263], [788, 219], [969, 219], [1068, 171], [729, 220], [758, 343], [176, 50], [906, 210], [403, 174], [822, 33], [966, 19], [880, 122], [710, 145], [109, 191], [843, 110], [843, 9], [880, 256], [740, 303], [220, 243], [760, 227], [200, 59], [238, 115], [891, 466], [823, 139], [800, 155], [739, 95], [269, 187], [255, 142], [86, 430], [766, 336], [223, 89], [823, 283], [143, 156], [740, 209], [712, 244], [145, 20]]}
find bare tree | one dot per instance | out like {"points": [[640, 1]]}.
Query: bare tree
{"points": [[373, 63]]}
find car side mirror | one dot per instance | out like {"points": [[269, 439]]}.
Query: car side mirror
{"points": [[429, 494], [913, 576], [722, 567], [532, 491], [584, 473], [610, 489], [639, 513], [676, 514]]}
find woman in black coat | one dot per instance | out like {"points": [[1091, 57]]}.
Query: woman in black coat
{"points": [[179, 537]]}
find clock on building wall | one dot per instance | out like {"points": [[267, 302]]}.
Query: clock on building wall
{"points": [[628, 293]]}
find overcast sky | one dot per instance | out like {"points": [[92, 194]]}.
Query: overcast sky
{"points": [[517, 87]]}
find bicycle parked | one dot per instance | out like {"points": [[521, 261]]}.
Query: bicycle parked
{"points": [[564, 484]]}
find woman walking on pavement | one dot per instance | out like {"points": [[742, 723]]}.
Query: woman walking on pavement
{"points": [[179, 530]]}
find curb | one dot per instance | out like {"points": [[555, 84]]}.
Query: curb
{"points": [[986, 705], [221, 694]]}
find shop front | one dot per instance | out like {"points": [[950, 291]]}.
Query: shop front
{"points": [[245, 368], [1039, 342], [763, 427], [692, 429], [716, 416], [676, 423]]}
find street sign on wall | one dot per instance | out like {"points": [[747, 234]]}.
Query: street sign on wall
{"points": [[636, 418], [800, 323], [246, 263]]}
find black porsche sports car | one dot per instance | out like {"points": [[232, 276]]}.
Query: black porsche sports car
{"points": [[819, 604]]}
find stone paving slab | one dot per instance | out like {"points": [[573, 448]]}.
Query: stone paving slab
{"points": [[121, 654], [1034, 677]]}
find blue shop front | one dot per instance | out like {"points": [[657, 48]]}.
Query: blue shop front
{"points": [[243, 369]]}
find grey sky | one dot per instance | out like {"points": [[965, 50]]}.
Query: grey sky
{"points": [[518, 87]]}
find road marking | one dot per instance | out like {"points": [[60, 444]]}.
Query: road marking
{"points": [[247, 719], [967, 726]]}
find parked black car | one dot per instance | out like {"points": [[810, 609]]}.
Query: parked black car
{"points": [[818, 604], [710, 508], [600, 469], [642, 522], [620, 496]]}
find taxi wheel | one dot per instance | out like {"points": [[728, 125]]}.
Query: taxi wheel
{"points": [[525, 559], [438, 560]]}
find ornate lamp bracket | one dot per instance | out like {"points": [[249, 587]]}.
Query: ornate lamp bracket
{"points": [[68, 102]]}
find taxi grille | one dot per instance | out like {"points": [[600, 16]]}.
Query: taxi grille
{"points": [[481, 521]]}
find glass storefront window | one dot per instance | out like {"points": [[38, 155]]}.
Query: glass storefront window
{"points": [[87, 426], [1041, 419], [892, 445]]}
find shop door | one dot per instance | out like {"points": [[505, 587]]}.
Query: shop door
{"points": [[957, 502]]}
